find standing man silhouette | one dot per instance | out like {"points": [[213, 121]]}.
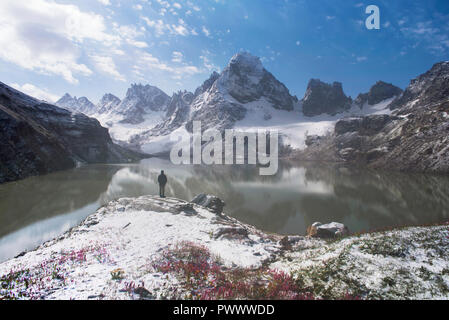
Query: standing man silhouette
{"points": [[162, 180]]}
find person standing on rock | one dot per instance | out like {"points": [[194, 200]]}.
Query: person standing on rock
{"points": [[162, 180]]}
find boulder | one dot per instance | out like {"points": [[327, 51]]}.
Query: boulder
{"points": [[211, 202], [231, 233], [313, 140], [326, 231]]}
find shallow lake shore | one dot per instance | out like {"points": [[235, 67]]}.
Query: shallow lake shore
{"points": [[153, 248]]}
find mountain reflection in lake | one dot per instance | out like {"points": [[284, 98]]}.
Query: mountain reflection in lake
{"points": [[39, 208]]}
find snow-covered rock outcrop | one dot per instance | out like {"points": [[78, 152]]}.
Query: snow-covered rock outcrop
{"points": [[153, 248], [125, 238], [108, 104], [379, 92], [140, 101]]}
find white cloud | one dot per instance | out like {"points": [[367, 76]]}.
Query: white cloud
{"points": [[147, 62], [177, 5], [107, 65], [206, 31], [105, 2], [137, 7], [45, 36], [36, 92], [129, 35], [161, 28], [164, 3], [177, 57], [207, 63], [180, 29]]}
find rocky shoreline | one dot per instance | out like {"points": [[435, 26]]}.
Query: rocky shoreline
{"points": [[153, 248]]}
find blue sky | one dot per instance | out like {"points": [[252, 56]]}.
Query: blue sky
{"points": [[90, 47]]}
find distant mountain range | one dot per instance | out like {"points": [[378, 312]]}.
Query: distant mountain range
{"points": [[235, 98]]}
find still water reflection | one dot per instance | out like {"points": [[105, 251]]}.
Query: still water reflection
{"points": [[39, 208]]}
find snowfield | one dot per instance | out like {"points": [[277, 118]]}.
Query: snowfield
{"points": [[293, 126], [128, 234], [111, 255]]}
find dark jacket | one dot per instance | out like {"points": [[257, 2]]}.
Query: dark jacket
{"points": [[162, 179]]}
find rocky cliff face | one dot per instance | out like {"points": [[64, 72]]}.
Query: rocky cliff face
{"points": [[415, 137], [37, 138], [381, 91], [324, 98], [246, 80], [108, 103], [430, 87], [141, 100], [82, 105], [177, 113]]}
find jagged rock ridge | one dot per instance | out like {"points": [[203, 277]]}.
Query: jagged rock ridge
{"points": [[381, 91], [141, 100], [82, 105], [38, 138], [324, 98], [108, 104], [415, 137]]}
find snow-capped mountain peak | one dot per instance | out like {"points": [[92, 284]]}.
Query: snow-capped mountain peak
{"points": [[141, 100], [74, 104], [108, 103], [246, 80]]}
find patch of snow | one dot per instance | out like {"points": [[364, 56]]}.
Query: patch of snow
{"points": [[124, 131], [133, 237]]}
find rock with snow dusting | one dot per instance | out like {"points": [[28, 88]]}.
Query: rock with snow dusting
{"points": [[74, 104], [177, 113], [414, 137], [246, 80], [111, 254], [322, 98], [108, 103], [367, 125], [211, 202], [330, 230], [141, 100], [381, 91], [429, 88], [405, 264]]}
